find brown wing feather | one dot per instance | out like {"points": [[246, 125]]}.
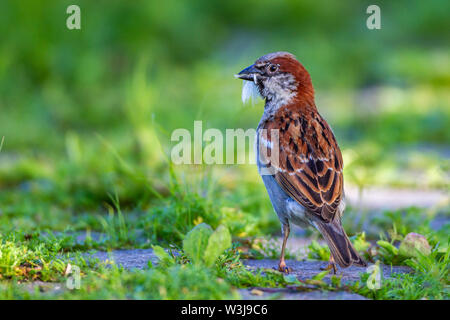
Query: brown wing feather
{"points": [[310, 162]]}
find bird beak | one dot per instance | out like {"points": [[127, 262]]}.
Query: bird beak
{"points": [[250, 73]]}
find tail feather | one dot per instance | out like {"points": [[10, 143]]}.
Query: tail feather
{"points": [[340, 246]]}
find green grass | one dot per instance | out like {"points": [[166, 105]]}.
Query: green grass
{"points": [[36, 252], [27, 258], [428, 281]]}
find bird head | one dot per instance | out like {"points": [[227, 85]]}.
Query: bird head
{"points": [[278, 77]]}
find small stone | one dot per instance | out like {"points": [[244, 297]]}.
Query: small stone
{"points": [[257, 292], [411, 243]]}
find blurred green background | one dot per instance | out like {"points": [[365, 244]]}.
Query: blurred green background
{"points": [[87, 115]]}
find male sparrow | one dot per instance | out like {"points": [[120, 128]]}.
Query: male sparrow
{"points": [[297, 155]]}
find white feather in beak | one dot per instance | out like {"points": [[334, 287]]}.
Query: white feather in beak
{"points": [[250, 91]]}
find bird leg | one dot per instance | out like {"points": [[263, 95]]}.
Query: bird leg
{"points": [[331, 265], [282, 265]]}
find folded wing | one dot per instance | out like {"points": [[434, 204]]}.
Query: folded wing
{"points": [[309, 166]]}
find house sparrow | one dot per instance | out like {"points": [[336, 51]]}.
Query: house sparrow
{"points": [[297, 154]]}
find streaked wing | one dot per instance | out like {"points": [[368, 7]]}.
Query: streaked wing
{"points": [[310, 163]]}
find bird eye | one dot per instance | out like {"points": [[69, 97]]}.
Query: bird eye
{"points": [[273, 68]]}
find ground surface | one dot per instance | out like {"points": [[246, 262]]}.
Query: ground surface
{"points": [[302, 270], [139, 259], [374, 199]]}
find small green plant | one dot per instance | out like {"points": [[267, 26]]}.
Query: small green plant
{"points": [[360, 242], [117, 231], [171, 217], [29, 259], [403, 221], [231, 268], [387, 252], [317, 251], [428, 279], [202, 246]]}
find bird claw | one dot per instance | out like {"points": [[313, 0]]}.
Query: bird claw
{"points": [[329, 266], [283, 269]]}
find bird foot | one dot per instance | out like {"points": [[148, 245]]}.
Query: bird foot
{"points": [[282, 267], [329, 266]]}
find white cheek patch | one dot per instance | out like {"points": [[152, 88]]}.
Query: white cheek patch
{"points": [[250, 91]]}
